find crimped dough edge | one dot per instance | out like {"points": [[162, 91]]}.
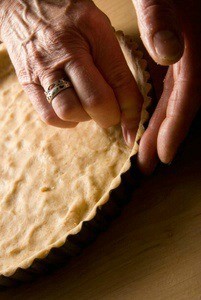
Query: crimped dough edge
{"points": [[135, 57]]}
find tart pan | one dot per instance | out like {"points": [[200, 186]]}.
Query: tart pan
{"points": [[105, 212]]}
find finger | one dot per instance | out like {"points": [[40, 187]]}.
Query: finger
{"points": [[184, 102], [147, 154], [160, 30], [113, 66], [47, 114], [66, 104], [95, 94]]}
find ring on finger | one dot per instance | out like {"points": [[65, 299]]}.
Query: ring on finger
{"points": [[55, 88]]}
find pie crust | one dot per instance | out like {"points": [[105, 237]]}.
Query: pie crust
{"points": [[54, 180]]}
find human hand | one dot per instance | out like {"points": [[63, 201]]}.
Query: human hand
{"points": [[53, 39], [181, 97]]}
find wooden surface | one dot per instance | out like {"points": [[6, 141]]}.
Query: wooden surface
{"points": [[153, 250]]}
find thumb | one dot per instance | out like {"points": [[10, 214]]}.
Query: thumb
{"points": [[160, 30]]}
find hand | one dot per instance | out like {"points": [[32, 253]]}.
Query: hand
{"points": [[52, 39], [171, 30]]}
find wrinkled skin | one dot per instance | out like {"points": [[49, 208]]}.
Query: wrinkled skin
{"points": [[48, 40], [74, 39], [181, 96]]}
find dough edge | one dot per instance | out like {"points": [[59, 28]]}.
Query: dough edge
{"points": [[133, 54]]}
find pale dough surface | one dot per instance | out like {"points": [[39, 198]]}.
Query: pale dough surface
{"points": [[51, 179]]}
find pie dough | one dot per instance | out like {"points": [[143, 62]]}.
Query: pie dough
{"points": [[53, 179]]}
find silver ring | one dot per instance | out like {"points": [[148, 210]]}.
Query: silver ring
{"points": [[55, 88]]}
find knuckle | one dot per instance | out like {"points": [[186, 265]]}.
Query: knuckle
{"points": [[100, 105], [86, 13], [26, 78], [155, 11], [54, 34], [26, 67], [52, 41], [121, 78], [91, 17], [105, 18], [94, 102], [47, 76], [153, 5], [31, 90], [57, 38], [66, 111]]}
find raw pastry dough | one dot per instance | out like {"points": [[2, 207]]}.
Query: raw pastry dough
{"points": [[53, 179]]}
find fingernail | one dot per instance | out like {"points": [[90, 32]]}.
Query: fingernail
{"points": [[129, 136], [167, 45]]}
